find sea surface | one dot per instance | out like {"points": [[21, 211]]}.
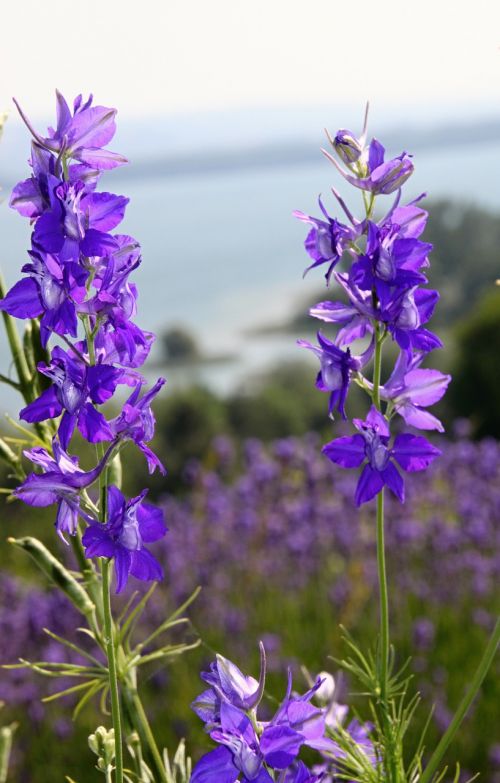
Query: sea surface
{"points": [[222, 254]]}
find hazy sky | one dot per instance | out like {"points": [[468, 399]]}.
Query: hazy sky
{"points": [[160, 56]]}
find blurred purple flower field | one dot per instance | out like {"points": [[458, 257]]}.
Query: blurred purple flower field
{"points": [[271, 534]]}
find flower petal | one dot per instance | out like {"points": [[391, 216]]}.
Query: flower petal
{"points": [[413, 452], [370, 483], [349, 452]]}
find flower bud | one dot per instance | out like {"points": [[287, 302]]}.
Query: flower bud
{"points": [[6, 734], [326, 690], [393, 175], [347, 146], [102, 743]]}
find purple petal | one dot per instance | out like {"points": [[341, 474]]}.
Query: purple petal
{"points": [[215, 767], [26, 198], [47, 406], [379, 423], [206, 706], [418, 418], [63, 112], [92, 127], [333, 312], [425, 387], [66, 519], [144, 566], [280, 745], [97, 243], [349, 452], [122, 567], [97, 542], [106, 210], [48, 233], [102, 160], [34, 493], [413, 452], [151, 524], [262, 777], [102, 380], [394, 481], [67, 428], [92, 424], [152, 460], [370, 483], [376, 153], [426, 300], [23, 300]]}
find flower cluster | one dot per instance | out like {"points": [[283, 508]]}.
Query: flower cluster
{"points": [[379, 265], [250, 749], [78, 277]]}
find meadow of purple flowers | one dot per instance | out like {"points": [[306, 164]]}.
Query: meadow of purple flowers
{"points": [[278, 537]]}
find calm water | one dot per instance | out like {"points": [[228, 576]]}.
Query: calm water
{"points": [[222, 253]]}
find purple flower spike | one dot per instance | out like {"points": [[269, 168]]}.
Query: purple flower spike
{"points": [[371, 447], [131, 524]]}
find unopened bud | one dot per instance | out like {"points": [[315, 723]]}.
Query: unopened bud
{"points": [[102, 743], [347, 146], [326, 690]]}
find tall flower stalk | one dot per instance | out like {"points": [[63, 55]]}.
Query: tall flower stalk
{"points": [[76, 288], [379, 262]]}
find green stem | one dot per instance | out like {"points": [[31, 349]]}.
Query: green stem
{"points": [[463, 708], [382, 582], [384, 598], [140, 719], [110, 642], [113, 675], [377, 366]]}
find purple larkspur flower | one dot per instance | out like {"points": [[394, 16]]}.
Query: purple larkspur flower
{"points": [[52, 292], [130, 525], [61, 483], [136, 422], [31, 197], [228, 683], [327, 240], [404, 314], [115, 296], [337, 368], [76, 389], [410, 389], [371, 447], [389, 261], [77, 222], [249, 746], [123, 342], [80, 134]]}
